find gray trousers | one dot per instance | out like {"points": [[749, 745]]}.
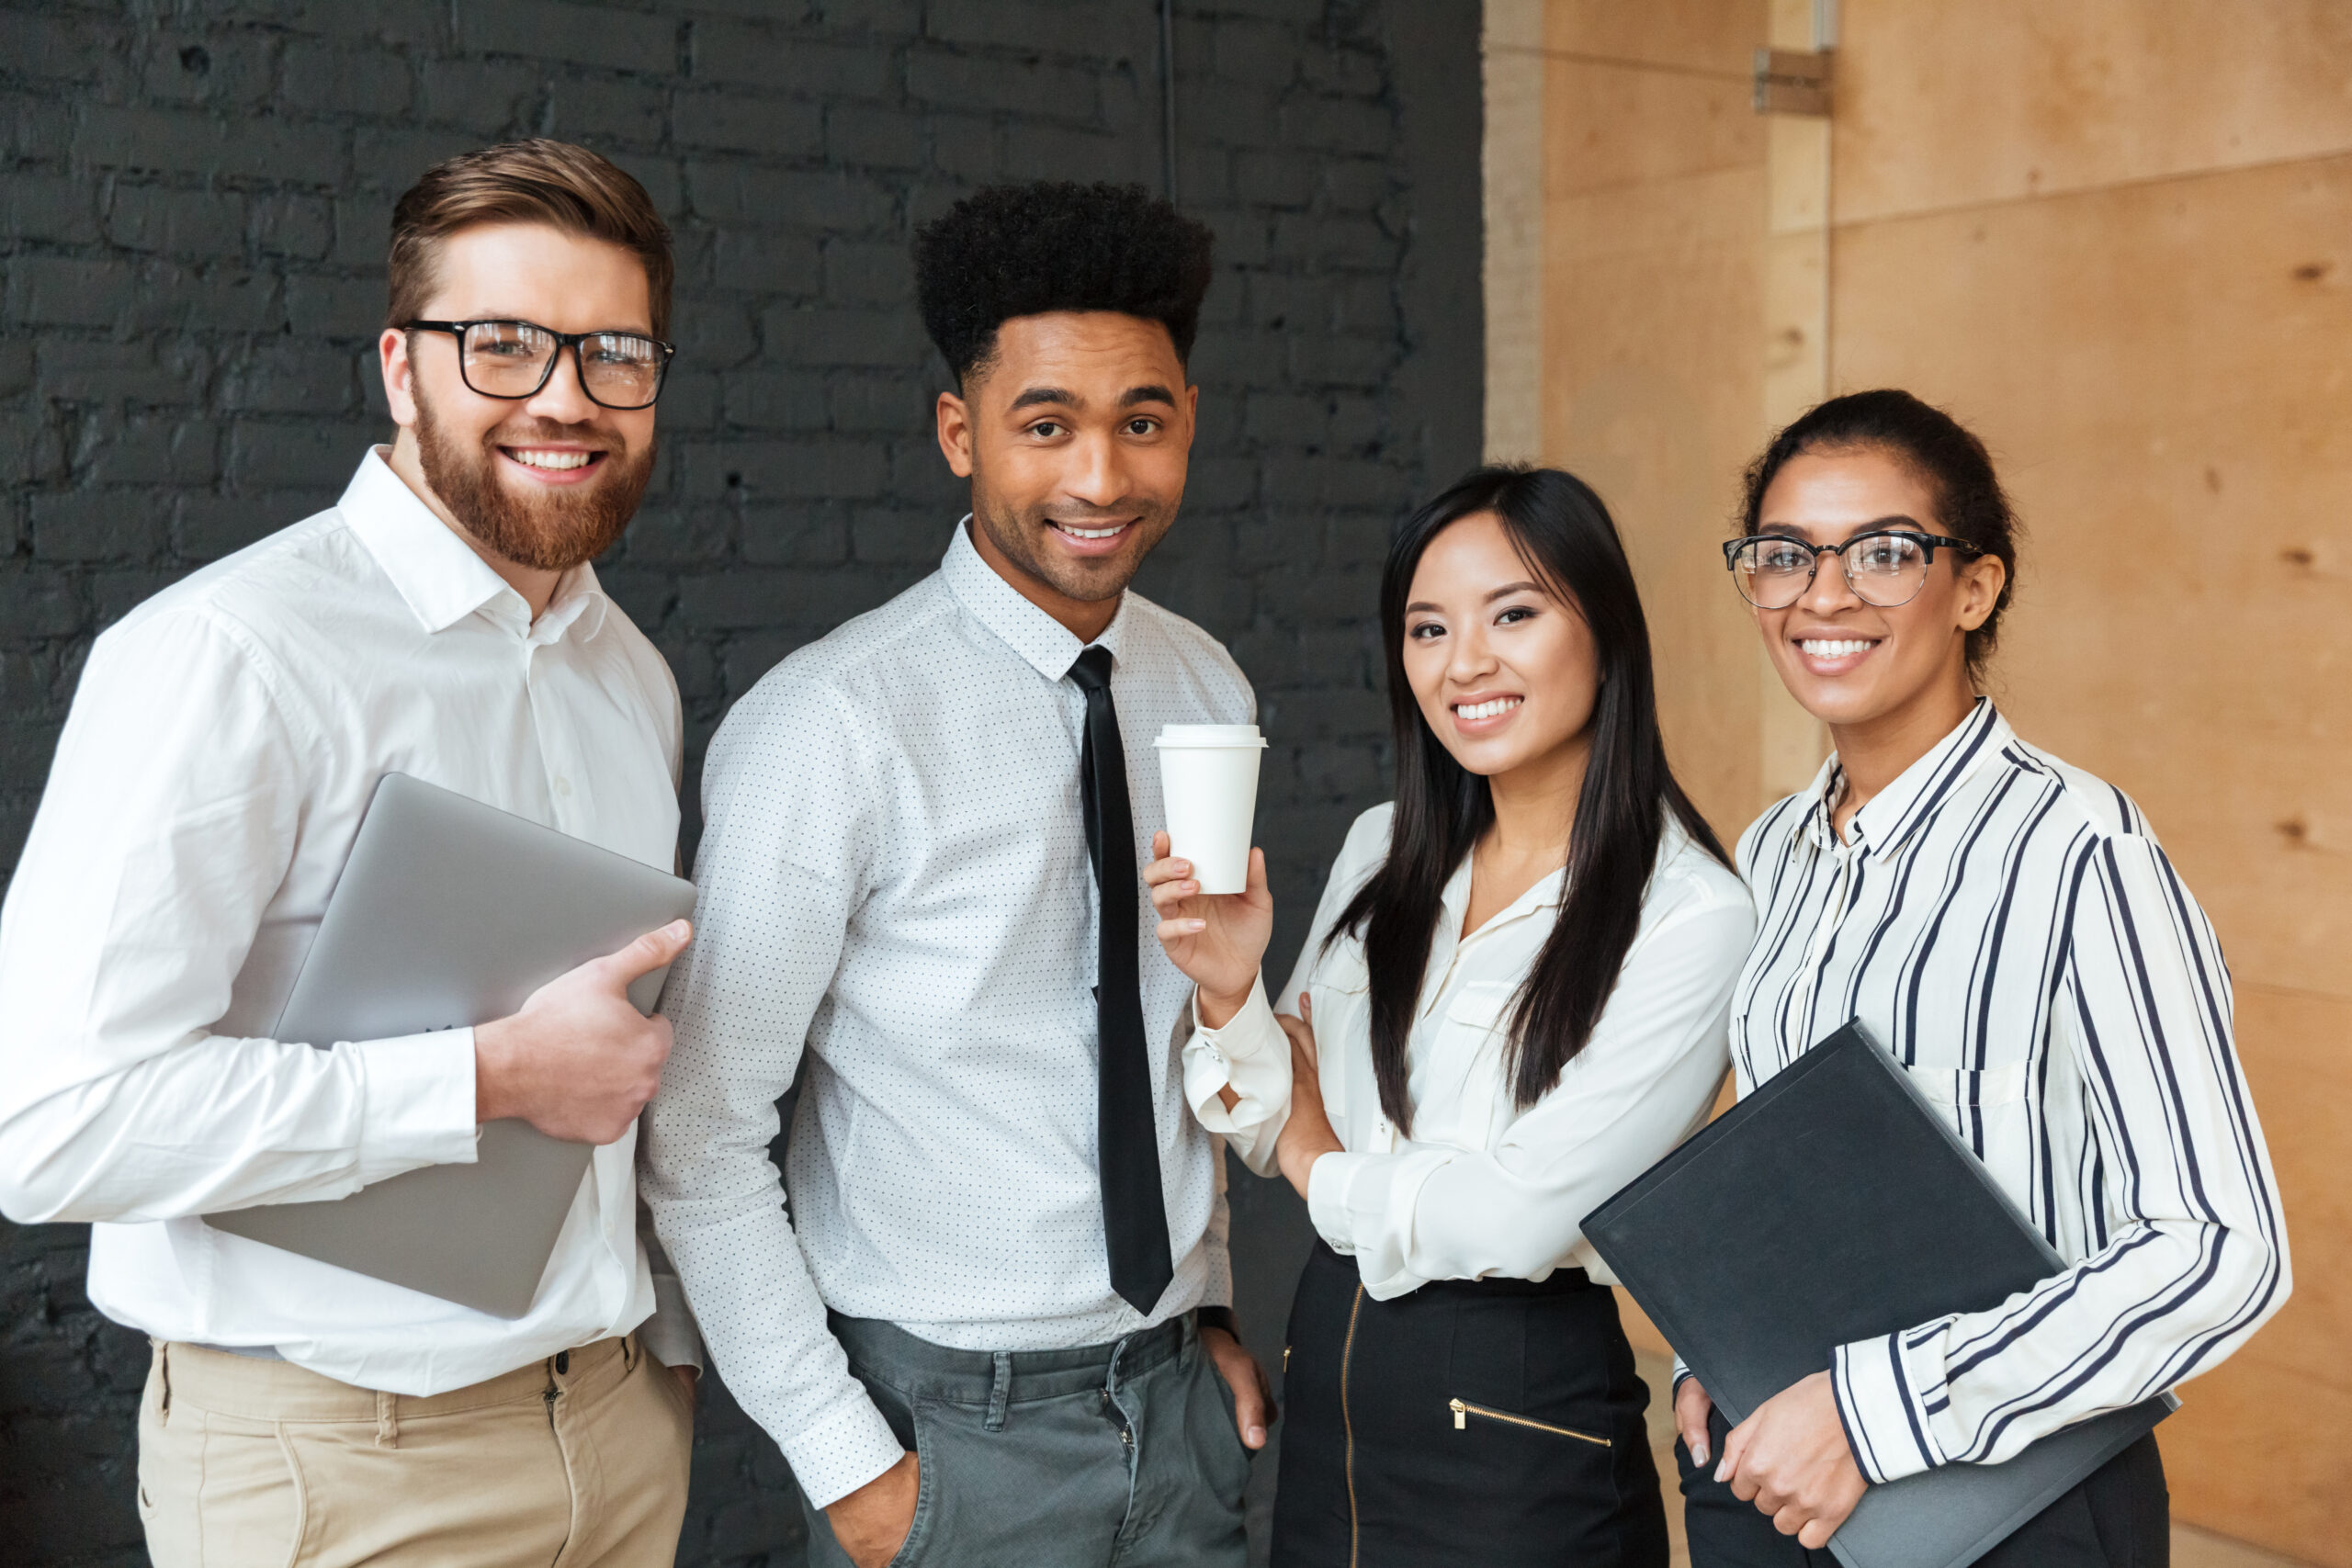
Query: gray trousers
{"points": [[1110, 1456]]}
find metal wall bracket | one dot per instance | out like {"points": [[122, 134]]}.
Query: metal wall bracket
{"points": [[1791, 80]]}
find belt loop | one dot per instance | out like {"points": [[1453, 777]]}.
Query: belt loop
{"points": [[1000, 1393], [388, 1421], [629, 1352], [164, 1378]]}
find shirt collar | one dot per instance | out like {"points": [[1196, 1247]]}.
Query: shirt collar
{"points": [[1892, 815], [1456, 900], [439, 576], [1049, 646]]}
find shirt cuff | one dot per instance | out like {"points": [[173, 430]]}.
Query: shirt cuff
{"points": [[1251, 1054], [670, 1336], [1208, 1315], [1880, 1402], [843, 1451], [417, 1103], [1331, 1181]]}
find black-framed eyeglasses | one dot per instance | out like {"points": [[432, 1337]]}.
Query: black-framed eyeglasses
{"points": [[1885, 567], [513, 360]]}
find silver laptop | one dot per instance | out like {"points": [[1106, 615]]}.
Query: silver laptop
{"points": [[451, 913]]}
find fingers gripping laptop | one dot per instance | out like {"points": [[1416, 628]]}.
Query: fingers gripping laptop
{"points": [[177, 1051]]}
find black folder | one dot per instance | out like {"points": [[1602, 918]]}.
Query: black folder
{"points": [[1833, 1205]]}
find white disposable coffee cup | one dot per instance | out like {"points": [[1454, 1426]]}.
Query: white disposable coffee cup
{"points": [[1208, 776]]}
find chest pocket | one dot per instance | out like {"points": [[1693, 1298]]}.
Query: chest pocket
{"points": [[1340, 988], [1963, 1088], [1341, 971], [1484, 1005], [1466, 1069]]}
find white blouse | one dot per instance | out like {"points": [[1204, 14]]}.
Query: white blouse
{"points": [[1482, 1187]]}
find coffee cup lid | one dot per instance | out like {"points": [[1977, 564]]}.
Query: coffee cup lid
{"points": [[1209, 734]]}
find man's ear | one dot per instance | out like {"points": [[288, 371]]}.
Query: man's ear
{"points": [[955, 418], [399, 374]]}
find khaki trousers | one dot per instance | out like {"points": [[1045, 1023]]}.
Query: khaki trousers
{"points": [[575, 1461]]}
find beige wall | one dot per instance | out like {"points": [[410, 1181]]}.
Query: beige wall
{"points": [[1654, 204], [2115, 237]]}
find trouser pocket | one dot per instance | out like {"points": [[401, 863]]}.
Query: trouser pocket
{"points": [[1047, 1486]]}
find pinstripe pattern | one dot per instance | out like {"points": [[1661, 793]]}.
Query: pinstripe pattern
{"points": [[2009, 928]]}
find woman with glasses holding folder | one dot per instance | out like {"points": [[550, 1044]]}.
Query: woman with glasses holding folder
{"points": [[1511, 1002], [2007, 926]]}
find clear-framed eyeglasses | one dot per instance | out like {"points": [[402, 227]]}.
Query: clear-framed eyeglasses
{"points": [[1885, 567], [513, 360]]}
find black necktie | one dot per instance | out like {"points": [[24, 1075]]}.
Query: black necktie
{"points": [[1135, 1215]]}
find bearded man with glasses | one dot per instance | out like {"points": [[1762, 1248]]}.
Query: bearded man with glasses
{"points": [[441, 620]]}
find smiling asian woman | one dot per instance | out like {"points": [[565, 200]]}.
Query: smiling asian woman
{"points": [[1511, 1002]]}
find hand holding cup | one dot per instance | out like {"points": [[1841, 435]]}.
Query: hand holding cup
{"points": [[1216, 939]]}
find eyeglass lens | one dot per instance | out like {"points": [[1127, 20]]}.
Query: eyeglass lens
{"points": [[506, 359], [1885, 569]]}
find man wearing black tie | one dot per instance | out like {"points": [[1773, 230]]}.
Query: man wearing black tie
{"points": [[995, 1324]]}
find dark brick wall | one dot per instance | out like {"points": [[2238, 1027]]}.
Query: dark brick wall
{"points": [[192, 215]]}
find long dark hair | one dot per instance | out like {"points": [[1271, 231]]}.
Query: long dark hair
{"points": [[1970, 502], [1564, 534]]}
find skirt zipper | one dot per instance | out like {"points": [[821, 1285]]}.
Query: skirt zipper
{"points": [[1463, 1411], [1347, 1420]]}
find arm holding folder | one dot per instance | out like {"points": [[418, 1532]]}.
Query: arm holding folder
{"points": [[2196, 1252], [2194, 1263], [2006, 924]]}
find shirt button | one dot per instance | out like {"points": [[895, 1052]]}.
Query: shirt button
{"points": [[562, 785]]}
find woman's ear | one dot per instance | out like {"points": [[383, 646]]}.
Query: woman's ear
{"points": [[1980, 590]]}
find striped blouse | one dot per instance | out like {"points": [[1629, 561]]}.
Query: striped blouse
{"points": [[2007, 926]]}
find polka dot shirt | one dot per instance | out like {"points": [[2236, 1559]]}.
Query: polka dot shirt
{"points": [[895, 885]]}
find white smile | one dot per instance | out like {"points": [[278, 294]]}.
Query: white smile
{"points": [[1111, 533], [533, 457], [1822, 648], [1488, 709]]}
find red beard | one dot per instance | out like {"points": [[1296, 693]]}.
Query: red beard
{"points": [[552, 532]]}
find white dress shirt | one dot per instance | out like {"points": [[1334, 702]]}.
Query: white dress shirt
{"points": [[2007, 927], [1482, 1187], [894, 880], [222, 750]]}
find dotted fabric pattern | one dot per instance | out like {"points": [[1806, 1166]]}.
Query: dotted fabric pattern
{"points": [[894, 879]]}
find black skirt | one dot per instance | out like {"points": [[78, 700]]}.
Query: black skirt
{"points": [[1490, 1421]]}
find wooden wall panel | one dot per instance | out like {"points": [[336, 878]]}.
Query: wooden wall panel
{"points": [[2255, 1450], [1652, 226], [1512, 173], [1611, 127], [2114, 236], [2161, 369], [1941, 105], [1715, 35]]}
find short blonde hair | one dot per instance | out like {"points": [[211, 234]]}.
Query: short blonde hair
{"points": [[538, 181]]}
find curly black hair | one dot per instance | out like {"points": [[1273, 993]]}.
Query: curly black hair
{"points": [[1024, 250]]}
